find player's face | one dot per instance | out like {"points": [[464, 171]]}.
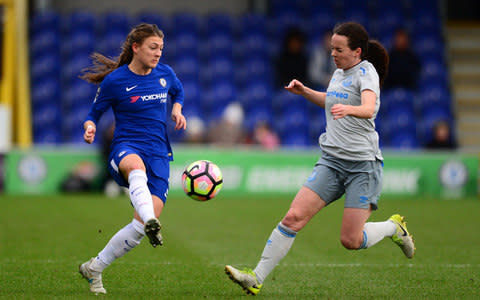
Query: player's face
{"points": [[344, 57], [150, 51]]}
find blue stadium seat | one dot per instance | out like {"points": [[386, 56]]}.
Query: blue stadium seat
{"points": [[45, 66], [316, 125], [251, 23], [219, 23], [404, 141], [255, 94], [45, 90], [217, 67], [218, 44], [45, 42], [186, 43], [187, 68], [80, 21], [154, 18], [47, 135], [47, 20], [111, 43], [193, 92], [186, 22], [117, 21], [78, 94], [219, 94], [253, 69], [402, 118], [78, 41], [256, 115], [46, 115], [285, 101], [73, 67], [397, 97], [296, 140]]}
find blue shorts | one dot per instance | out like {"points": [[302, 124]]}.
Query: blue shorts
{"points": [[157, 169], [360, 181]]}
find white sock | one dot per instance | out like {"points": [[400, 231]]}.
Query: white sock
{"points": [[140, 195], [277, 247], [122, 242], [374, 232]]}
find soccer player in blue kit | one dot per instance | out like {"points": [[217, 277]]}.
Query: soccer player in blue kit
{"points": [[136, 87], [351, 162]]}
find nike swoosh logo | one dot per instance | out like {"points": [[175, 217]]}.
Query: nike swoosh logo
{"points": [[128, 89], [404, 231]]}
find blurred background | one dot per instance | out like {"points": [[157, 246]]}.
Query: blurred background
{"points": [[233, 58]]}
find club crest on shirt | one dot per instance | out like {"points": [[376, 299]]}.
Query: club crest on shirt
{"points": [[347, 81], [163, 82], [362, 71]]}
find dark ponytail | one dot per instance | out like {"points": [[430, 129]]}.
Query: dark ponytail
{"points": [[372, 50], [378, 56]]}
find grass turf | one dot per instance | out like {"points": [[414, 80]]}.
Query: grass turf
{"points": [[44, 238]]}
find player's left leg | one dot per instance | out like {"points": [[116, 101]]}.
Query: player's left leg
{"points": [[122, 242]]}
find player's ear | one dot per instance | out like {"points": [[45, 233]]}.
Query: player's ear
{"points": [[135, 47]]}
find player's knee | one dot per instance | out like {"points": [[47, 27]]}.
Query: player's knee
{"points": [[350, 242], [293, 221]]}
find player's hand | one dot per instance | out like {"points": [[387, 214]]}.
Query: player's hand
{"points": [[295, 87], [339, 111], [179, 119], [89, 135]]}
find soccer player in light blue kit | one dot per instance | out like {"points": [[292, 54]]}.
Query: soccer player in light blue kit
{"points": [[136, 87], [351, 162]]}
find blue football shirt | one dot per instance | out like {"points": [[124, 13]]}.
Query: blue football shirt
{"points": [[139, 104]]}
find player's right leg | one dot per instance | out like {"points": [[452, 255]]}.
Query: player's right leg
{"points": [[305, 205], [402, 237]]}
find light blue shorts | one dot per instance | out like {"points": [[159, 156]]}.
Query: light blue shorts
{"points": [[157, 169], [359, 181]]}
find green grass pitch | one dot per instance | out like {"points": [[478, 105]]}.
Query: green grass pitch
{"points": [[43, 239]]}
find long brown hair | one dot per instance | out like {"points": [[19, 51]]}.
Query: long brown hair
{"points": [[102, 65], [372, 50]]}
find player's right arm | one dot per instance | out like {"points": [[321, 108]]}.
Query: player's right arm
{"points": [[313, 96], [90, 130], [100, 104]]}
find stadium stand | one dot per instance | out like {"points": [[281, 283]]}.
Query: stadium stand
{"points": [[238, 49]]}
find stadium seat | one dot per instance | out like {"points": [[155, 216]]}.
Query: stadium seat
{"points": [[45, 66], [253, 23], [186, 43], [256, 115], [284, 101], [253, 69], [256, 93], [218, 44], [45, 90], [47, 135], [187, 68], [185, 22], [404, 141], [218, 67], [80, 21], [296, 140], [219, 23], [44, 21], [116, 21]]}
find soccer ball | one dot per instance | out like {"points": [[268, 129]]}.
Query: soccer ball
{"points": [[202, 180]]}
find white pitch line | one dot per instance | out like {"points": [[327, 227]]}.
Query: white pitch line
{"points": [[310, 265]]}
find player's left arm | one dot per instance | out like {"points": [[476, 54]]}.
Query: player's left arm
{"points": [[176, 91], [178, 117], [364, 111]]}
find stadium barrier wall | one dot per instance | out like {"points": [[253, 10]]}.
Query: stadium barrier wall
{"points": [[443, 175]]}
